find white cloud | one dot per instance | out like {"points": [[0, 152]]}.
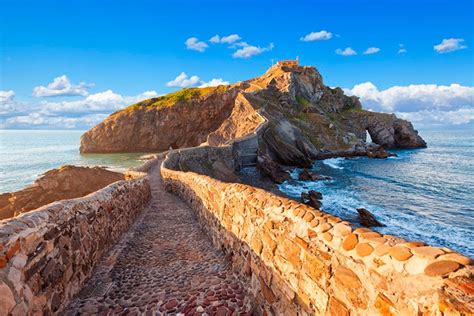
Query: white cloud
{"points": [[229, 39], [184, 81], [7, 102], [371, 50], [214, 82], [422, 102], [62, 86], [248, 51], [105, 101], [215, 39], [449, 45], [40, 120], [193, 43], [316, 36], [401, 50], [427, 118], [348, 51]]}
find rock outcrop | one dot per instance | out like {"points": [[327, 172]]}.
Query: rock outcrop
{"points": [[66, 182], [306, 120]]}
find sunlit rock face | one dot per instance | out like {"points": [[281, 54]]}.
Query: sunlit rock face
{"points": [[306, 120]]}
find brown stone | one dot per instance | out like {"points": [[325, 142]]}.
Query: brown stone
{"points": [[382, 250], [364, 249], [427, 252], [269, 242], [341, 229], [308, 217], [349, 242], [301, 242], [13, 249], [327, 236], [314, 266], [400, 253], [312, 234], [441, 267], [267, 292], [337, 308], [456, 257], [290, 251], [324, 227], [314, 223], [3, 262], [347, 277], [256, 244], [7, 301], [384, 305]]}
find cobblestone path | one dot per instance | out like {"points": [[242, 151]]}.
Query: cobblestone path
{"points": [[165, 264]]}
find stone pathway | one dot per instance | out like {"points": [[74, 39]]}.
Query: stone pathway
{"points": [[164, 265]]}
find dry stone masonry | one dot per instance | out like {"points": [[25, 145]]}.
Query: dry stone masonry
{"points": [[296, 259], [48, 254]]}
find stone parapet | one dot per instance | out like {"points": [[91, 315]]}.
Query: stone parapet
{"points": [[296, 259], [47, 254]]}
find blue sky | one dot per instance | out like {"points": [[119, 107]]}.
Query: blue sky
{"points": [[123, 51]]}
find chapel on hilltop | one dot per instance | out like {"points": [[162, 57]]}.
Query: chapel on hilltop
{"points": [[289, 63]]}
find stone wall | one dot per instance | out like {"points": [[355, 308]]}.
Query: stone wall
{"points": [[296, 259], [47, 254]]}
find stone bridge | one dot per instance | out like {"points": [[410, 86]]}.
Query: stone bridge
{"points": [[177, 240]]}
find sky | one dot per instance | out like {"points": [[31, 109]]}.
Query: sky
{"points": [[69, 64]]}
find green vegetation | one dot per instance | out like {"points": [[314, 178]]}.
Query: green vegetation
{"points": [[303, 102], [170, 99]]}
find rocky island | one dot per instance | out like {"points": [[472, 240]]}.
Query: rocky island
{"points": [[186, 236], [306, 120]]}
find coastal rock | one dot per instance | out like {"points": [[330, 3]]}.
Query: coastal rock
{"points": [[312, 198], [58, 184], [379, 152], [307, 175], [368, 219], [306, 120], [272, 170]]}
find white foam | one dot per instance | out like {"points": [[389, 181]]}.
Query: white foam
{"points": [[334, 162]]}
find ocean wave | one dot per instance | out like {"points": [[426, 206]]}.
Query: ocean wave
{"points": [[334, 163]]}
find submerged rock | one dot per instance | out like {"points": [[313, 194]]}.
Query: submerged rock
{"points": [[307, 175], [367, 219]]}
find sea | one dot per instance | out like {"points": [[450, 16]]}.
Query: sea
{"points": [[422, 194]]}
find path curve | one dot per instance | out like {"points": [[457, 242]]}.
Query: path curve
{"points": [[165, 264]]}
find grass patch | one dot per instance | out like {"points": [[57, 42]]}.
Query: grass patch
{"points": [[170, 99], [303, 102]]}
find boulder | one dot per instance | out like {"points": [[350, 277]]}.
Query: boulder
{"points": [[307, 175], [379, 152], [272, 170], [367, 219], [312, 198]]}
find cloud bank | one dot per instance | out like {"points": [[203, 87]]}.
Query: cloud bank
{"points": [[62, 87], [183, 81], [450, 45], [317, 36], [425, 103]]}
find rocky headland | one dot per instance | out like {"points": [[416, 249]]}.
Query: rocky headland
{"points": [[305, 120], [66, 182]]}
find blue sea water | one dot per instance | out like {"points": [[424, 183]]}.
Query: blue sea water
{"points": [[423, 194], [26, 154]]}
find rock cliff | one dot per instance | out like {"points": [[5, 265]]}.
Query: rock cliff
{"points": [[306, 120], [66, 182]]}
